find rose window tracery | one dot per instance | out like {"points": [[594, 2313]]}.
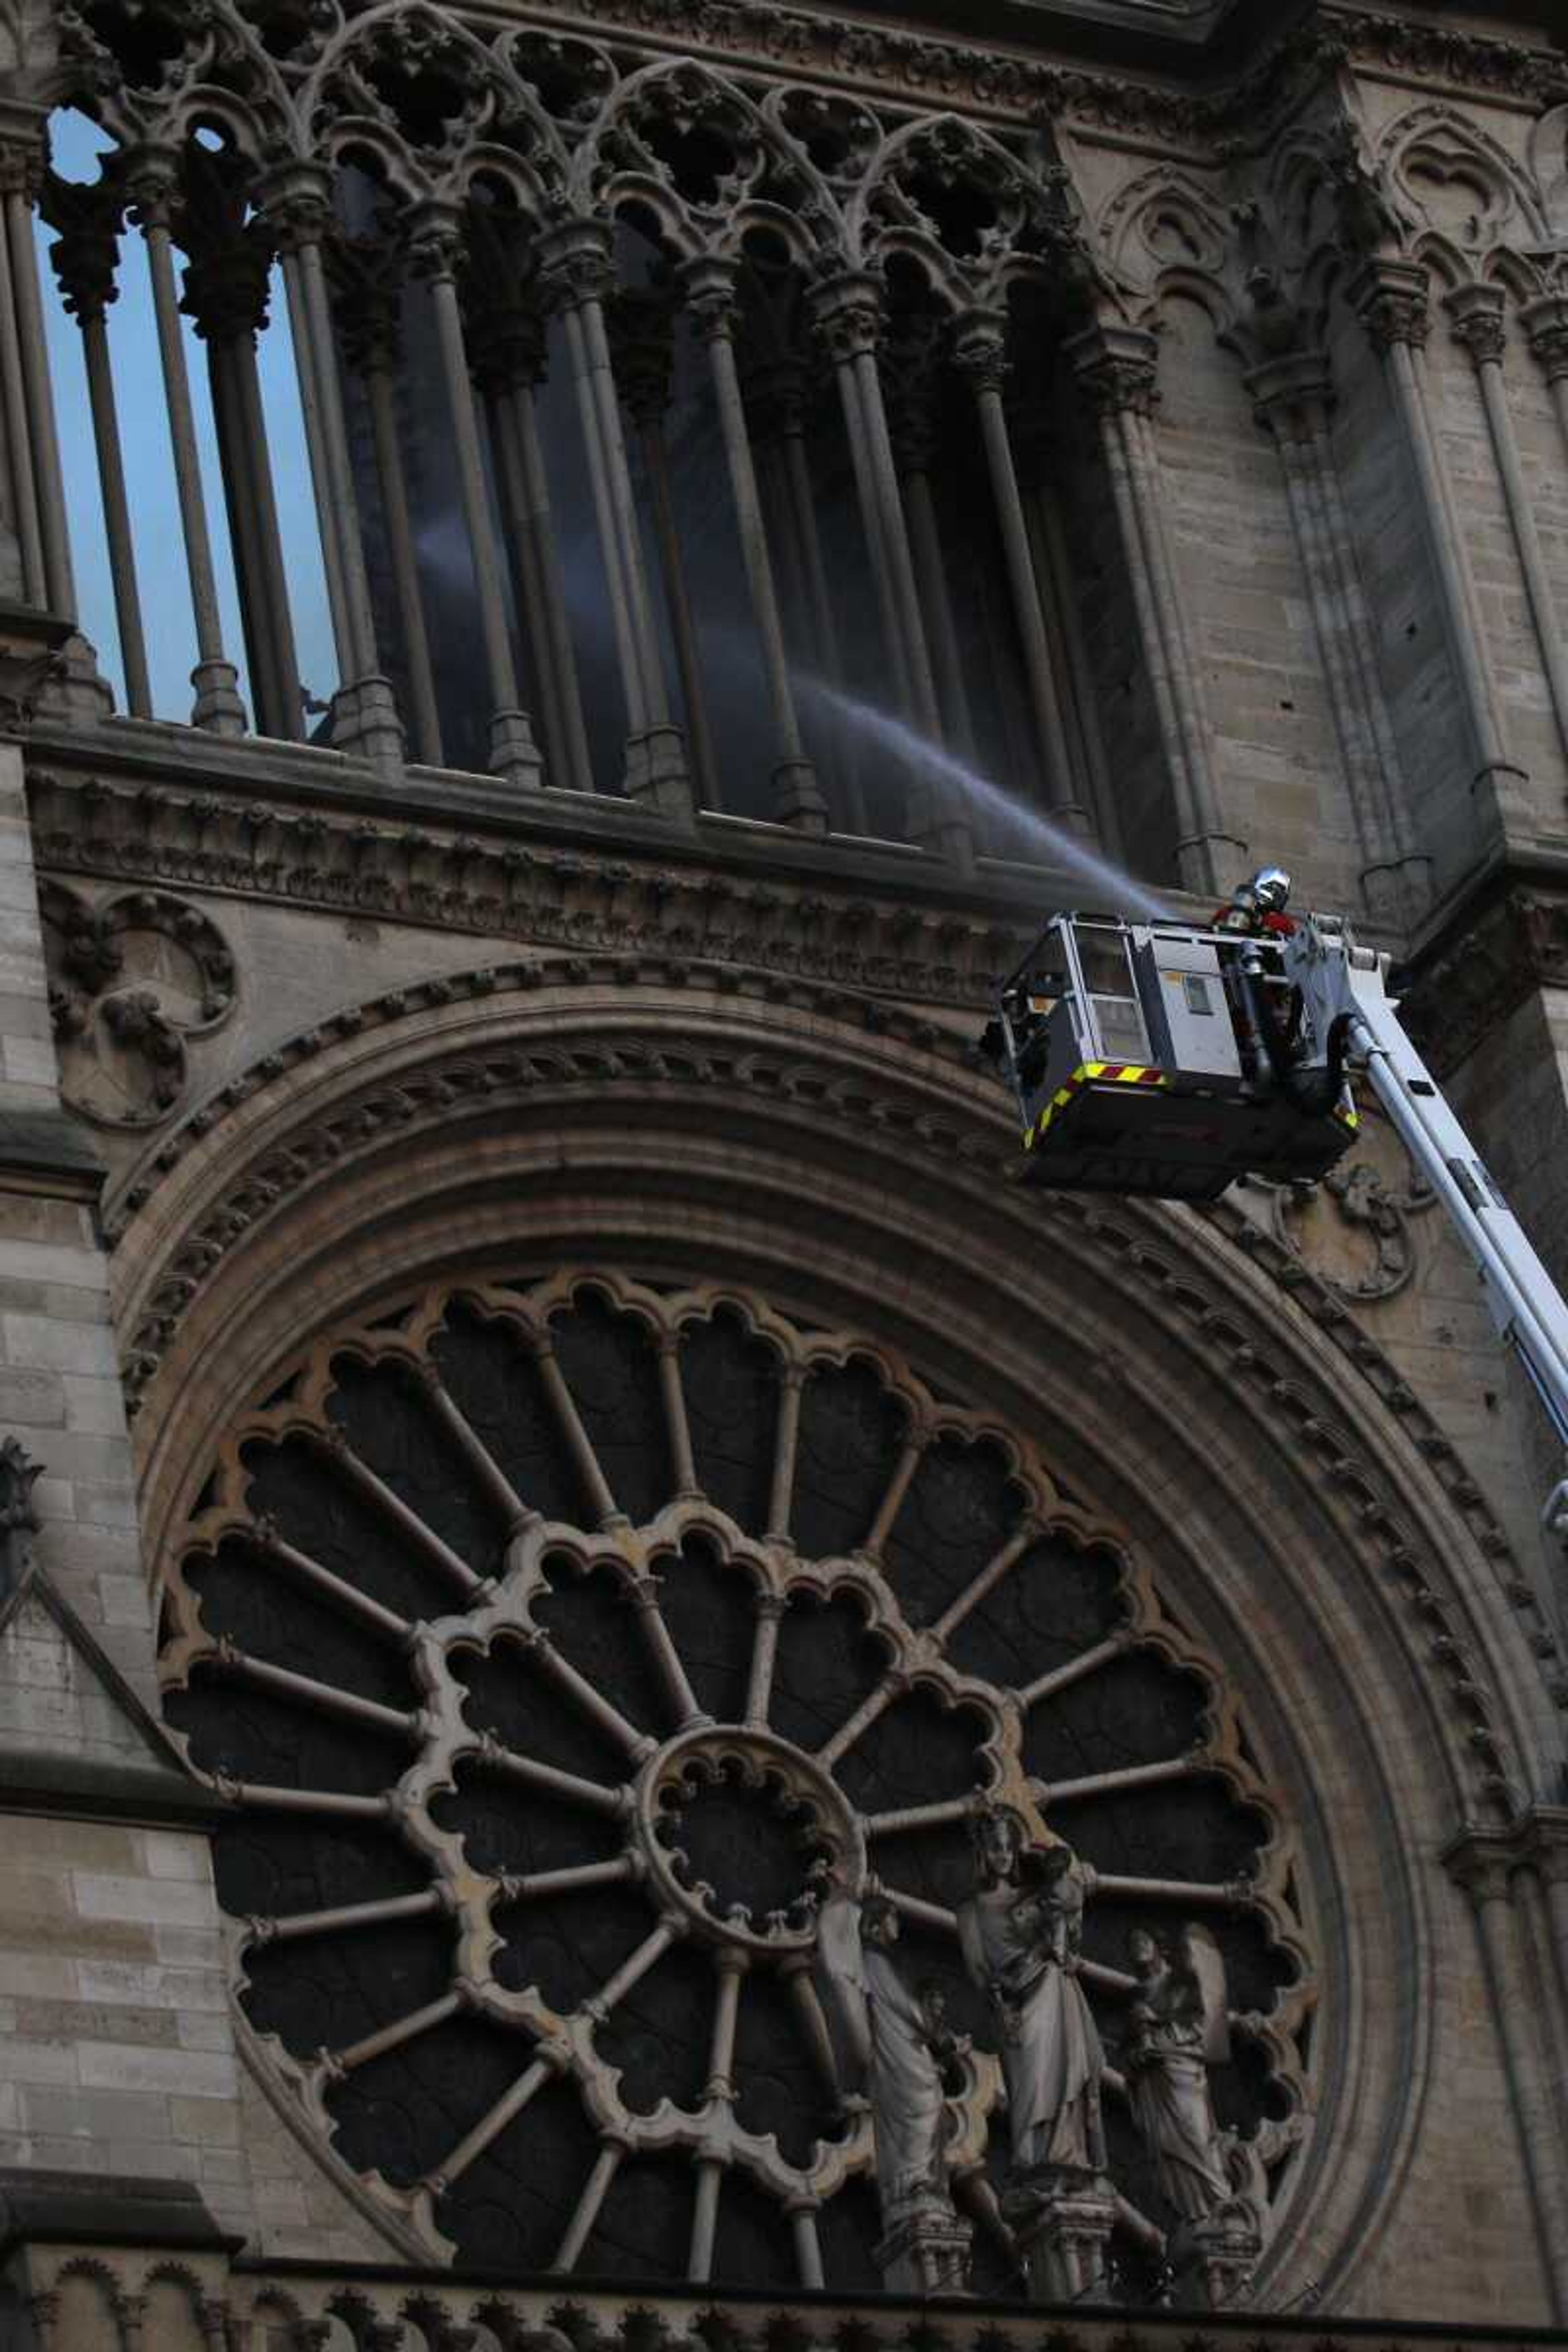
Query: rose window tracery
{"points": [[557, 1644]]}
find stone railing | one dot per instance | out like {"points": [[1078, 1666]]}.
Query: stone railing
{"points": [[164, 2301]]}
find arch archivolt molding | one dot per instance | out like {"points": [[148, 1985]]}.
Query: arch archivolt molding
{"points": [[553, 1112], [377, 1076], [915, 1661]]}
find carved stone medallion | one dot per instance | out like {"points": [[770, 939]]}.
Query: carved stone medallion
{"points": [[130, 979]]}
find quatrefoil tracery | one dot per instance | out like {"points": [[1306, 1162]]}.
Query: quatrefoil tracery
{"points": [[714, 1791]]}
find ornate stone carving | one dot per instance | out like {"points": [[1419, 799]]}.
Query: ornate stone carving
{"points": [[1353, 1229], [20, 1473], [1390, 300], [1178, 2026], [894, 2045], [849, 932], [1460, 994], [131, 978], [1020, 1932]]}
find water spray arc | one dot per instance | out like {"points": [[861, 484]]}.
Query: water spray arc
{"points": [[937, 766]]}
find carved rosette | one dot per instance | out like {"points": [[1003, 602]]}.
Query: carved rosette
{"points": [[554, 1643], [131, 978]]}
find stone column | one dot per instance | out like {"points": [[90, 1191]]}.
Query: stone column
{"points": [[980, 355], [709, 288], [1485, 1863], [1545, 324], [525, 493], [642, 340], [911, 425], [226, 294], [1115, 367], [22, 476], [1293, 399], [369, 300], [578, 276], [21, 179], [84, 257], [1390, 299], [848, 314], [1075, 677], [152, 180], [780, 391], [295, 199], [1476, 313], [434, 239]]}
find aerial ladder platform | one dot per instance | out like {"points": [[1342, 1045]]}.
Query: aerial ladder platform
{"points": [[1167, 1060]]}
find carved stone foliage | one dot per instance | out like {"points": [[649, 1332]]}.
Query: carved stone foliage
{"points": [[283, 42], [20, 1473], [130, 979], [1355, 1229], [853, 935], [555, 1642], [1463, 992]]}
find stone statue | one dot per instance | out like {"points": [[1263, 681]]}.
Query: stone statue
{"points": [[886, 2039], [1176, 2029], [1019, 1933], [890, 2045]]}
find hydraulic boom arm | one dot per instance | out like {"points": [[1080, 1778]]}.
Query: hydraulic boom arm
{"points": [[1339, 982]]}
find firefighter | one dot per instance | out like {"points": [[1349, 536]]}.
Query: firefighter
{"points": [[1256, 909], [1255, 913]]}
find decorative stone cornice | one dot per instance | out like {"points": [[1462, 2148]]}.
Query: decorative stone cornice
{"points": [[843, 930], [1010, 84], [1457, 998], [1487, 1862]]}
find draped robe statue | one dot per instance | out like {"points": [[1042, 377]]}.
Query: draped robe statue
{"points": [[1019, 1933], [1176, 2025], [885, 2039]]}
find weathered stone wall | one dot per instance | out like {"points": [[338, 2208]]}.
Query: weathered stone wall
{"points": [[742, 1063]]}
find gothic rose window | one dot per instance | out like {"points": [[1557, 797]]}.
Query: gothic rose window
{"points": [[551, 1640]]}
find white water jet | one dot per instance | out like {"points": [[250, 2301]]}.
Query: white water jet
{"points": [[930, 760]]}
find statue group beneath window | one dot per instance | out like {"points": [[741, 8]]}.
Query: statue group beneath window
{"points": [[1020, 1933]]}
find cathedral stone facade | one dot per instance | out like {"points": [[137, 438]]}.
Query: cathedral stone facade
{"points": [[548, 1466]]}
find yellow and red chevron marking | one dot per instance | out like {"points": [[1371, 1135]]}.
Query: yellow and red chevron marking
{"points": [[1121, 1073]]}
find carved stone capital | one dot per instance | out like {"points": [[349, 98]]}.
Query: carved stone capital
{"points": [[979, 348], [151, 178], [1545, 322], [21, 165], [1292, 397], [505, 341], [576, 264], [434, 235], [708, 290], [368, 315], [1476, 317], [1389, 298], [227, 285], [1483, 1861], [1117, 369], [776, 397], [846, 313], [296, 202], [85, 251]]}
